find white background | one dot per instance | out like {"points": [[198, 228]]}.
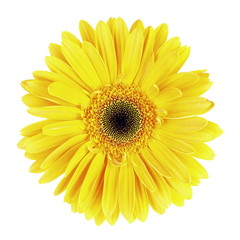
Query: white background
{"points": [[29, 210]]}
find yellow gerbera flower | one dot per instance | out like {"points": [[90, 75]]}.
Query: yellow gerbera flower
{"points": [[120, 121]]}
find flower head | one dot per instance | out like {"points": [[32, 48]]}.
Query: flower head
{"points": [[121, 121]]}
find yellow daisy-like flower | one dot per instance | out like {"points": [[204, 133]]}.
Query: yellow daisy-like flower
{"points": [[121, 122]]}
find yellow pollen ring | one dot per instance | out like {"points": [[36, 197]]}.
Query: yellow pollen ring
{"points": [[116, 110]]}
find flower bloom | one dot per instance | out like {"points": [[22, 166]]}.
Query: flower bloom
{"points": [[121, 122]]}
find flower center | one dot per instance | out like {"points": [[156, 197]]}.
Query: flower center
{"points": [[120, 119]]}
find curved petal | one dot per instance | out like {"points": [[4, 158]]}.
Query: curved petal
{"points": [[126, 193], [56, 51], [77, 176], [141, 203], [58, 66], [138, 24], [160, 70], [149, 159], [53, 156], [147, 55], [167, 47], [64, 127], [161, 34], [57, 112], [42, 142], [167, 95], [35, 128], [69, 93], [181, 80], [120, 34], [81, 64], [92, 178], [142, 172], [132, 56], [169, 160], [97, 62], [203, 151], [33, 101], [188, 106], [110, 190], [59, 166], [196, 169], [87, 32], [69, 36], [190, 124], [106, 49]]}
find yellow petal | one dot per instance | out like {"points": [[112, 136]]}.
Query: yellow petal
{"points": [[58, 66], [161, 34], [40, 89], [169, 46], [132, 56], [95, 205], [147, 54], [31, 100], [188, 106], [213, 129], [155, 202], [163, 189], [154, 162], [64, 127], [77, 177], [141, 202], [76, 159], [51, 158], [97, 62], [110, 190], [42, 142], [113, 218], [106, 49], [153, 92], [177, 198], [203, 151], [138, 24], [39, 155], [169, 161], [35, 128], [87, 32], [92, 176], [199, 88], [36, 167], [81, 64], [58, 167], [196, 169], [160, 70], [69, 36], [167, 95], [120, 35], [56, 51], [184, 53], [206, 134], [173, 143], [190, 124], [126, 185], [57, 112], [111, 22], [142, 172], [69, 93], [100, 218], [61, 187], [182, 188], [181, 80], [52, 76]]}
